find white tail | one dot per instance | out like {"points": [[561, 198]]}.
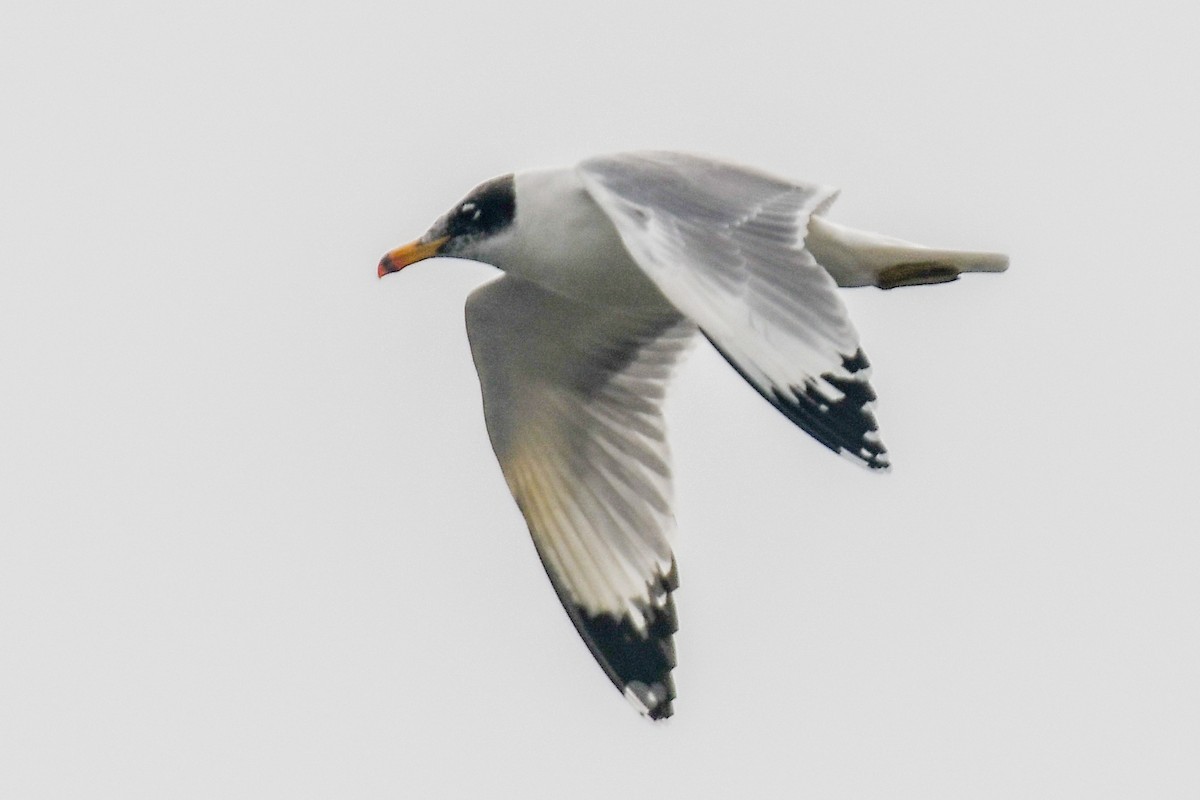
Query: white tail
{"points": [[859, 258]]}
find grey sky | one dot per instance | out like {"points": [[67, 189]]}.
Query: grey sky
{"points": [[253, 542]]}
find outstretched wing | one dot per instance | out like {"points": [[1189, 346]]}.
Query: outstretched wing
{"points": [[725, 244], [571, 396]]}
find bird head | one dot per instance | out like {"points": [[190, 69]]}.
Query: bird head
{"points": [[486, 211]]}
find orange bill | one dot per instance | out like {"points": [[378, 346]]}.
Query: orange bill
{"points": [[410, 253]]}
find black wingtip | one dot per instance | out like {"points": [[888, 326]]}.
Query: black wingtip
{"points": [[636, 653], [845, 425], [651, 701], [637, 657], [637, 650]]}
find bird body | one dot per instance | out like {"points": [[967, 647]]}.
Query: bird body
{"points": [[612, 267]]}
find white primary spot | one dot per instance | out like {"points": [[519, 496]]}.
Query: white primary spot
{"points": [[636, 617], [634, 692]]}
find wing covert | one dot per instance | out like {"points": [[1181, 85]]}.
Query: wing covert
{"points": [[725, 244]]}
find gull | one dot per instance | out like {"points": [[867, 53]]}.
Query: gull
{"points": [[611, 268]]}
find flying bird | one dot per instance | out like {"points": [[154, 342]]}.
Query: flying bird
{"points": [[611, 267]]}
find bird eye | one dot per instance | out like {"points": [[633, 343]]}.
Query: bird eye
{"points": [[485, 210]]}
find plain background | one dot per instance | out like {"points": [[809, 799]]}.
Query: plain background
{"points": [[253, 542]]}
